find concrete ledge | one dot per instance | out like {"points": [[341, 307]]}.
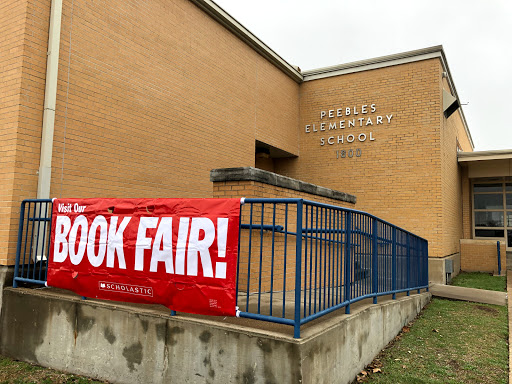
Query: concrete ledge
{"points": [[437, 268], [265, 177], [469, 294], [124, 343], [6, 278]]}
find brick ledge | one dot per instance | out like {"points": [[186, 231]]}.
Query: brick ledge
{"points": [[261, 176]]}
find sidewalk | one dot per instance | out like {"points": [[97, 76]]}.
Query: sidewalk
{"points": [[469, 294]]}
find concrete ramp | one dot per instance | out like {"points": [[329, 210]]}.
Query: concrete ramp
{"points": [[469, 294]]}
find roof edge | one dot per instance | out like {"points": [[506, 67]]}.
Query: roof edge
{"points": [[454, 92], [373, 63], [501, 154], [229, 22]]}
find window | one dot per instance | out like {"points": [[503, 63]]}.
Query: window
{"points": [[492, 210]]}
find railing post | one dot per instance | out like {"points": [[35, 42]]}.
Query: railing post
{"points": [[348, 251], [393, 264], [18, 246], [499, 258], [408, 283], [237, 255], [426, 265], [375, 264], [298, 269], [418, 260]]}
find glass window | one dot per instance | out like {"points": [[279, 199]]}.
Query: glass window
{"points": [[509, 200], [491, 201], [508, 187], [489, 233], [509, 219], [489, 219], [509, 238], [498, 187]]}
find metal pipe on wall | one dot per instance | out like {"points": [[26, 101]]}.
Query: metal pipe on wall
{"points": [[50, 96]]}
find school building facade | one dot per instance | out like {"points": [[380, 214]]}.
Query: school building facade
{"points": [[145, 99]]}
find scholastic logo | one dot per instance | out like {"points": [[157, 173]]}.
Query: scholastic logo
{"points": [[126, 288]]}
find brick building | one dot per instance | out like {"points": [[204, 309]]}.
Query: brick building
{"points": [[144, 99]]}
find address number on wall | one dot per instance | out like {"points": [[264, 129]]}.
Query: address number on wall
{"points": [[348, 153]]}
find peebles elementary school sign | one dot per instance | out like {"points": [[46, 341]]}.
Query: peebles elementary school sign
{"points": [[333, 122]]}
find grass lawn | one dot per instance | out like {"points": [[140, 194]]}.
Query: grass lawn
{"points": [[450, 342], [481, 281], [17, 372]]}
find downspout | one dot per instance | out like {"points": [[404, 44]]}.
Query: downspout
{"points": [[50, 96]]}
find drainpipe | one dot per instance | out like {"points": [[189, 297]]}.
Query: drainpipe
{"points": [[50, 96]]}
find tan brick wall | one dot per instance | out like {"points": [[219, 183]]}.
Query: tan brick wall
{"points": [[482, 256], [23, 47], [409, 174], [398, 175], [283, 264], [153, 108], [158, 95]]}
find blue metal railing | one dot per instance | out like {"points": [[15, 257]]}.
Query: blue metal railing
{"points": [[297, 260], [499, 257], [300, 260], [33, 244]]}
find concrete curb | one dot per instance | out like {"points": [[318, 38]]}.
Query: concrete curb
{"points": [[469, 294]]}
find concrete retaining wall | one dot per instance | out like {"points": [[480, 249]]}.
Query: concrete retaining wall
{"points": [[6, 277], [127, 344]]}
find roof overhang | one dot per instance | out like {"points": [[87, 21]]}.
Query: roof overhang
{"points": [[468, 157]]}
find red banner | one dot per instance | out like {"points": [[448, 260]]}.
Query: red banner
{"points": [[181, 253]]}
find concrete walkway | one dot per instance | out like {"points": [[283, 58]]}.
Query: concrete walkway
{"points": [[469, 294]]}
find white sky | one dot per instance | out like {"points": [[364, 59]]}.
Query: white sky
{"points": [[476, 36]]}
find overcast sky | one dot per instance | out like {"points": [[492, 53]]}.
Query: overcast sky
{"points": [[476, 36]]}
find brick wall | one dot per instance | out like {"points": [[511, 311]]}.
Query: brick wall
{"points": [[284, 261], [408, 174], [482, 256], [397, 177], [153, 95], [159, 94], [23, 47]]}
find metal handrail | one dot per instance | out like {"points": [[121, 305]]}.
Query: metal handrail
{"points": [[341, 256], [383, 259]]}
